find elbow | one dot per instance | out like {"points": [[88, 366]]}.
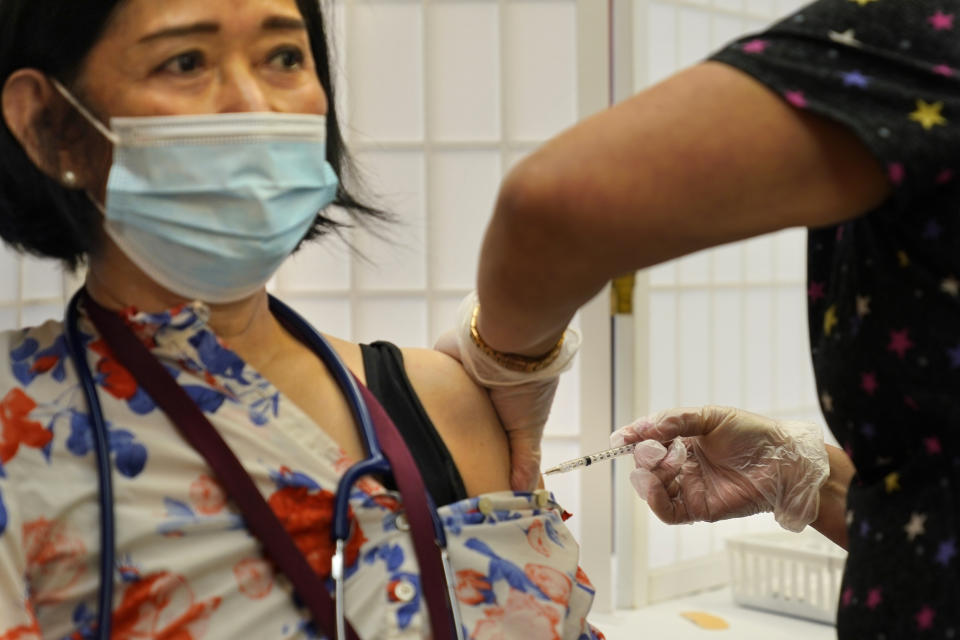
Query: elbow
{"points": [[533, 207]]}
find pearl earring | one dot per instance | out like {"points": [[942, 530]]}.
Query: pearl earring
{"points": [[69, 178]]}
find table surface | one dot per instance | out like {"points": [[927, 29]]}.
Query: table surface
{"points": [[663, 621]]}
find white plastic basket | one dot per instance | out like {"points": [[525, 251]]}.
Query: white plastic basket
{"points": [[793, 573]]}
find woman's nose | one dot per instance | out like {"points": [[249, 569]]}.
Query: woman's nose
{"points": [[240, 90]]}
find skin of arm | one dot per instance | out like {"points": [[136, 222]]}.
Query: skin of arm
{"points": [[831, 518], [464, 418], [460, 410], [706, 157]]}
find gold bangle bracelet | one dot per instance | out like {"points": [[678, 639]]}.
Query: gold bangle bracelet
{"points": [[513, 361]]}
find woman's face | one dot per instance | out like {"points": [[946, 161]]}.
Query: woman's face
{"points": [[175, 57]]}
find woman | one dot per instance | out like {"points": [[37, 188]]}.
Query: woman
{"points": [[181, 220], [841, 118]]}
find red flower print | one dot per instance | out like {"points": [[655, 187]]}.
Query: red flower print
{"points": [[471, 585], [116, 380], [55, 560], [24, 632], [16, 429], [552, 582], [537, 538], [307, 515], [254, 577], [207, 495], [523, 616], [162, 606], [44, 364], [583, 580]]}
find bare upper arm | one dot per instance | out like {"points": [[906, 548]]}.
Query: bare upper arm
{"points": [[707, 156], [464, 417]]}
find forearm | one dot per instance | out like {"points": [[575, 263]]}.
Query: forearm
{"points": [[832, 518]]}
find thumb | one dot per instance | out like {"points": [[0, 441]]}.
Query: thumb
{"points": [[524, 461]]}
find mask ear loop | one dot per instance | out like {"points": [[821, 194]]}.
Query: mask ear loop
{"points": [[94, 121], [88, 116]]}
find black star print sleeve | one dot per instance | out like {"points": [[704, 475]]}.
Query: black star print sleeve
{"points": [[884, 296]]}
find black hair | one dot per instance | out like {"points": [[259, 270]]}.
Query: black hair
{"points": [[38, 214]]}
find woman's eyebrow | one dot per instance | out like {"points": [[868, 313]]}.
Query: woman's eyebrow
{"points": [[273, 23], [182, 30]]}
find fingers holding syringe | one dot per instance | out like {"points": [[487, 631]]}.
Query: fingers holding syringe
{"points": [[667, 425], [656, 478]]}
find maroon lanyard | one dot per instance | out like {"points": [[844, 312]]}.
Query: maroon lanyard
{"points": [[259, 518]]}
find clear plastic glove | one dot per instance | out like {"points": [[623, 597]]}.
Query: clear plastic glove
{"points": [[522, 400], [724, 463]]}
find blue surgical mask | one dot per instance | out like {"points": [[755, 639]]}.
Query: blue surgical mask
{"points": [[209, 206]]}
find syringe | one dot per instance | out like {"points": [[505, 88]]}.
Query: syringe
{"points": [[588, 460]]}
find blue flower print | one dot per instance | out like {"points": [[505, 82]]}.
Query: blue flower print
{"points": [[28, 361], [181, 515], [217, 359], [207, 400], [407, 611], [501, 569], [286, 478], [130, 457], [85, 622], [391, 554], [3, 515]]}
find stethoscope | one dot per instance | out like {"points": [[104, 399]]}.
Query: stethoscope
{"points": [[375, 463]]}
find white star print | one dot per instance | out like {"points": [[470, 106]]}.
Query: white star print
{"points": [[915, 527], [863, 305], [950, 285], [844, 37], [827, 400]]}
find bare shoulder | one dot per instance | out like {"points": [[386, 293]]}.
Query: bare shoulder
{"points": [[464, 417], [351, 355]]}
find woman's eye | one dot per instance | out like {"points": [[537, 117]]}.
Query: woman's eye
{"points": [[185, 63], [287, 59]]}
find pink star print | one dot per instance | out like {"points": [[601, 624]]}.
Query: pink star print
{"points": [[943, 70], [896, 172], [932, 445], [925, 618], [755, 46], [944, 176], [796, 98], [874, 597], [941, 21], [815, 291], [847, 596], [868, 382], [900, 342]]}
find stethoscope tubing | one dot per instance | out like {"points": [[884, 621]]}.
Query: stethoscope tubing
{"points": [[101, 447]]}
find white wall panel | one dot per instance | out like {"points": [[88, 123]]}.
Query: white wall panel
{"points": [[464, 64], [462, 196], [541, 64], [385, 70], [396, 252]]}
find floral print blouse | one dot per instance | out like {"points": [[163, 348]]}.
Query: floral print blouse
{"points": [[186, 566]]}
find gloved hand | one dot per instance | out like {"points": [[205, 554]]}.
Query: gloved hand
{"points": [[726, 463], [521, 399]]}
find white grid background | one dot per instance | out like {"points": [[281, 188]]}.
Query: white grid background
{"points": [[726, 325], [437, 99]]}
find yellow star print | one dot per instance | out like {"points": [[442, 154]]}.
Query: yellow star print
{"points": [[892, 482], [903, 258], [830, 319], [928, 115], [863, 2]]}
